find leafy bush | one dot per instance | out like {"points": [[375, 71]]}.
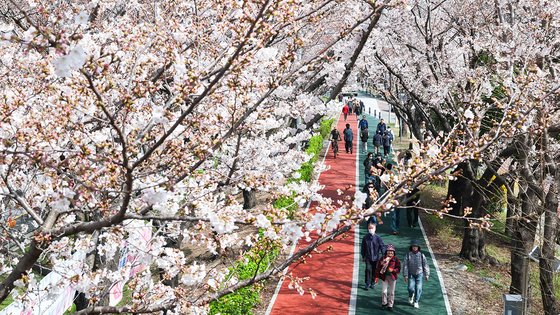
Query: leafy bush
{"points": [[314, 147], [325, 127], [286, 202], [244, 300]]}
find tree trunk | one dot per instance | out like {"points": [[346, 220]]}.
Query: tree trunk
{"points": [[473, 238], [511, 212], [473, 247], [523, 238], [249, 199], [546, 262], [460, 189]]}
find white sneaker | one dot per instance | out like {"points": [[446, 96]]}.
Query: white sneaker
{"points": [[411, 300], [416, 305]]}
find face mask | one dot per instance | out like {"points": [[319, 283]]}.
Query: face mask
{"points": [[371, 231]]}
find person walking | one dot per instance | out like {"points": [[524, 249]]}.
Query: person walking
{"points": [[350, 106], [335, 137], [386, 139], [357, 110], [363, 123], [396, 221], [348, 138], [414, 268], [373, 178], [345, 110], [364, 134], [377, 141], [371, 250], [387, 270], [381, 126], [362, 107], [412, 210]]}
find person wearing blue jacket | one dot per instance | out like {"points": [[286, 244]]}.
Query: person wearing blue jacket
{"points": [[348, 138], [364, 123], [372, 250]]}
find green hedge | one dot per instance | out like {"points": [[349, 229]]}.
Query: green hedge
{"points": [[326, 126]]}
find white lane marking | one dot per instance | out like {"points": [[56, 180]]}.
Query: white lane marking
{"points": [[356, 270]]}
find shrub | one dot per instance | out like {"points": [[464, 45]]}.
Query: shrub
{"points": [[325, 127], [244, 300], [286, 202]]}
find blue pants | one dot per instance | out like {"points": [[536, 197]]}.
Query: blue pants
{"points": [[415, 286], [395, 220]]}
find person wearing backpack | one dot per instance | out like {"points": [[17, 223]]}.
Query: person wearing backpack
{"points": [[415, 267]]}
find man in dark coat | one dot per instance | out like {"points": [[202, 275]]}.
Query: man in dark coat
{"points": [[377, 141], [348, 138], [372, 250], [381, 127], [387, 139]]}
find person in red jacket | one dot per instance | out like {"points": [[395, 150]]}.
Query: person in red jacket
{"points": [[387, 270], [345, 110]]}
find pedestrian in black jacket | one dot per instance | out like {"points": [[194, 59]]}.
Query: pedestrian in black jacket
{"points": [[372, 250], [377, 141], [348, 138]]}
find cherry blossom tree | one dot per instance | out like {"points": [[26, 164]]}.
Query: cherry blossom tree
{"points": [[472, 62]]}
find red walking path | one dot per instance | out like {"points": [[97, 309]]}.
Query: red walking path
{"points": [[330, 272]]}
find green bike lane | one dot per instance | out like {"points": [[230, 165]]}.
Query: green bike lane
{"points": [[433, 299]]}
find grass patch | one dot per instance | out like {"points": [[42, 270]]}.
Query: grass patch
{"points": [[6, 302], [501, 254]]}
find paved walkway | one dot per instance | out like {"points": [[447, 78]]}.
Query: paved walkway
{"points": [[369, 302], [338, 276]]}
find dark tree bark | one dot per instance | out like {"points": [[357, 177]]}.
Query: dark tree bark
{"points": [[249, 198], [24, 264], [546, 262], [461, 188], [473, 238], [522, 240], [473, 247]]}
